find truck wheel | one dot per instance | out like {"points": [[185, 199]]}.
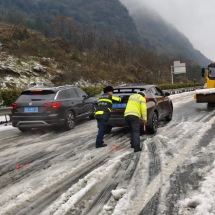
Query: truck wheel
{"points": [[152, 128], [69, 121], [108, 129]]}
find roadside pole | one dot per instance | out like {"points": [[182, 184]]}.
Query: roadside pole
{"points": [[194, 80], [172, 72]]}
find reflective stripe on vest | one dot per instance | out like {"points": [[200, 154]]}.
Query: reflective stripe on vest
{"points": [[105, 100], [132, 112], [116, 98], [99, 112]]}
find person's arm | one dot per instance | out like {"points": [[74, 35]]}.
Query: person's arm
{"points": [[143, 109], [117, 99]]}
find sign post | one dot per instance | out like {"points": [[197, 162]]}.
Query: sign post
{"points": [[194, 81]]}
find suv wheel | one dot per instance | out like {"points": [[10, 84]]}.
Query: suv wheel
{"points": [[24, 129], [108, 129], [169, 117], [69, 120], [153, 124]]}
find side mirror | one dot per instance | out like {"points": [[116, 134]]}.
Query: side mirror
{"points": [[203, 72], [166, 94], [86, 96]]}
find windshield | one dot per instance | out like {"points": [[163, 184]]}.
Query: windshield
{"points": [[211, 73]]}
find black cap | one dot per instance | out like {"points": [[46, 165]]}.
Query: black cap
{"points": [[108, 89]]}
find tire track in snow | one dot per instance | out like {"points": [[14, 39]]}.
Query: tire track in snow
{"points": [[187, 175], [156, 184], [34, 197], [45, 195], [124, 174], [154, 170]]}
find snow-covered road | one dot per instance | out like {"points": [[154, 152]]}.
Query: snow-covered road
{"points": [[62, 173]]}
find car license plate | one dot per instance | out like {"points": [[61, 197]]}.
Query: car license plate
{"points": [[119, 105], [31, 109]]}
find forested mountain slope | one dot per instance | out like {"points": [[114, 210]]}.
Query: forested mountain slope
{"points": [[105, 15], [141, 26]]}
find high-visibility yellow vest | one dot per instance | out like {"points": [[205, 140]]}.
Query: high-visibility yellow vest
{"points": [[136, 106]]}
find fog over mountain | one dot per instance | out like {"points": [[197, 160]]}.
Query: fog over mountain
{"points": [[194, 18]]}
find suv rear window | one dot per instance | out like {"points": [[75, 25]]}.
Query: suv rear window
{"points": [[124, 91], [36, 95]]}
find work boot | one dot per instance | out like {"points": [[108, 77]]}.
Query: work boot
{"points": [[132, 145], [137, 150], [99, 146]]}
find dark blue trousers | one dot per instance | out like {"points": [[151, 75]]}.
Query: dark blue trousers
{"points": [[134, 124], [101, 126]]}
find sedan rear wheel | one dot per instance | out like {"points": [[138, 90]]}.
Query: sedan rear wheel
{"points": [[69, 120], [108, 129], [24, 129], [169, 117], [153, 124]]}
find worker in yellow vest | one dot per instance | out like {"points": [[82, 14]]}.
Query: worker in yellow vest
{"points": [[135, 111]]}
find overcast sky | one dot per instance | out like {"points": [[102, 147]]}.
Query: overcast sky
{"points": [[194, 18]]}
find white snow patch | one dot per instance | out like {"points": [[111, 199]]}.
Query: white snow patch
{"points": [[117, 194], [205, 91], [201, 201]]}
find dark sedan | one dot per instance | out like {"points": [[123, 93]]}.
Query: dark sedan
{"points": [[159, 106]]}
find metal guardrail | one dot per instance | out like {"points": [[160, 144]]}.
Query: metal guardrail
{"points": [[182, 90], [5, 111]]}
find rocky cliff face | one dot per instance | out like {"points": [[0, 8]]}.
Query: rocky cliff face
{"points": [[17, 73]]}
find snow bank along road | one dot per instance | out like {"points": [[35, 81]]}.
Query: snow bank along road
{"points": [[62, 173]]}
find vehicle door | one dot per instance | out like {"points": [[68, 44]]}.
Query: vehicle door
{"points": [[87, 101], [75, 102], [159, 97], [166, 103]]}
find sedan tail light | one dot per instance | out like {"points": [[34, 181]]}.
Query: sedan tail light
{"points": [[147, 99], [53, 104], [14, 106]]}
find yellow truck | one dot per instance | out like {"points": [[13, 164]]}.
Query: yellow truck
{"points": [[207, 95]]}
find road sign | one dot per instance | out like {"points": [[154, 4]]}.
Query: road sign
{"points": [[179, 68]]}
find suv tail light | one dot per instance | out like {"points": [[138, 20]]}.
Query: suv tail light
{"points": [[14, 106], [53, 104], [147, 99]]}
